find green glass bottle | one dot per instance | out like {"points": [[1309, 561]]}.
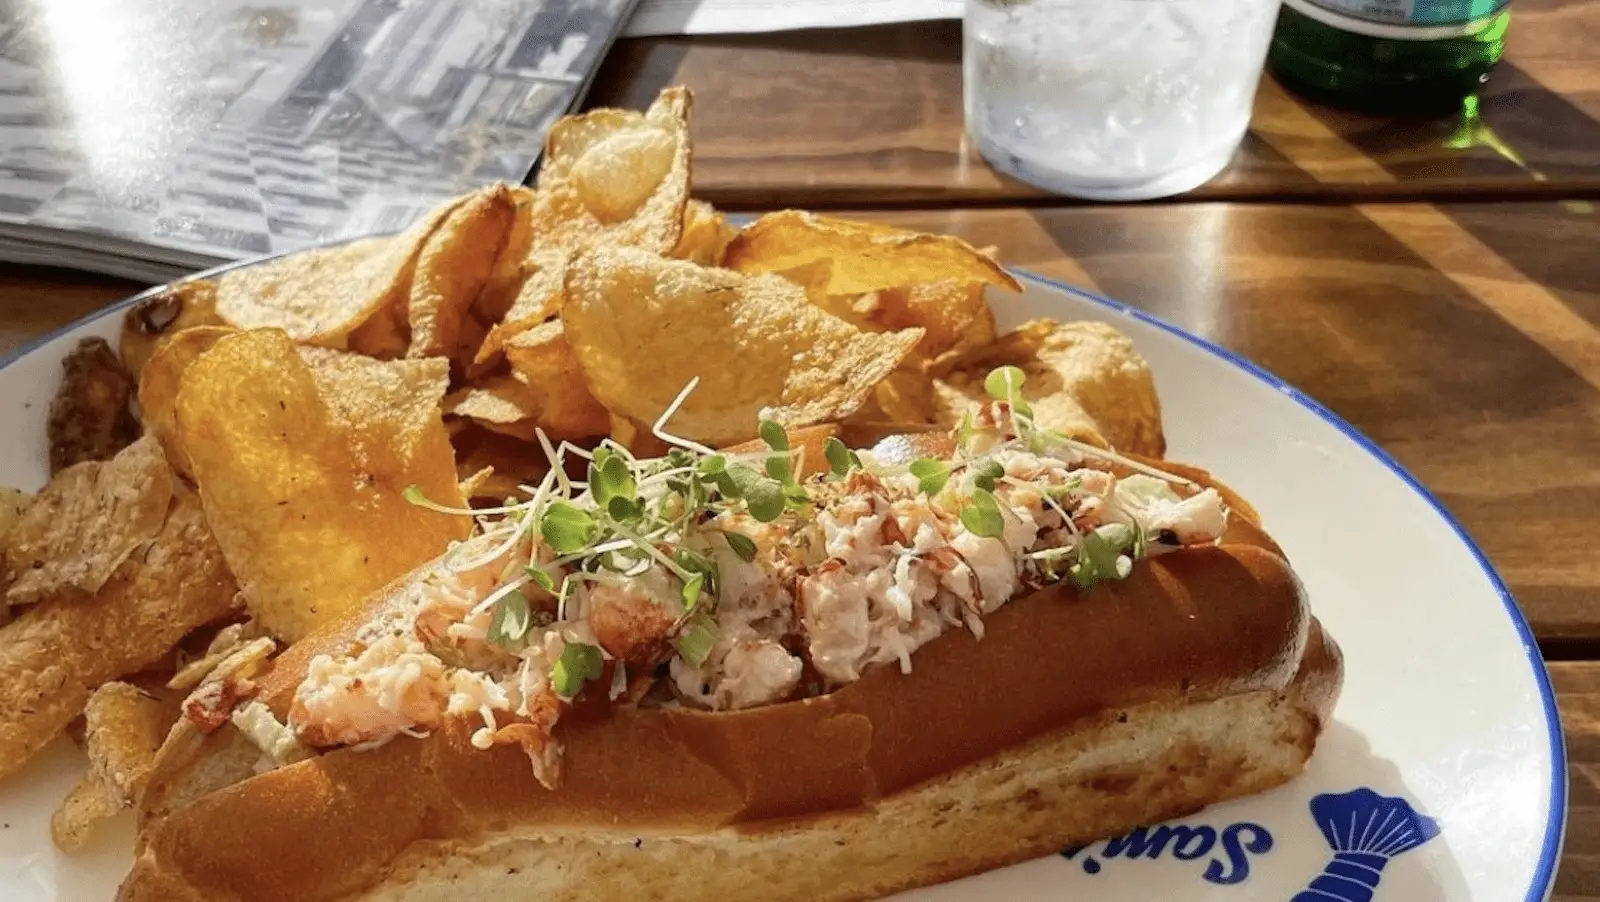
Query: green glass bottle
{"points": [[1388, 56]]}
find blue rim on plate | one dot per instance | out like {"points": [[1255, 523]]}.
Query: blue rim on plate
{"points": [[1555, 819]]}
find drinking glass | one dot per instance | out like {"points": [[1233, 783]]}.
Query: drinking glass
{"points": [[1112, 99]]}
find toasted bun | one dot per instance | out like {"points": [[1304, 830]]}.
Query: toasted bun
{"points": [[1199, 678]]}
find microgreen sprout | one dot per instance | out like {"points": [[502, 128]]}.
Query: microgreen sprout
{"points": [[741, 544], [931, 475], [578, 664], [697, 639], [985, 472], [566, 529], [512, 617], [840, 458], [982, 517], [541, 578]]}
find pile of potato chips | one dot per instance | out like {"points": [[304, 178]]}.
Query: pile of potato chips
{"points": [[287, 406]]}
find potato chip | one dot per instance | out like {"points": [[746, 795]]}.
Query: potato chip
{"points": [[505, 279], [865, 256], [501, 404], [543, 362], [86, 523], [388, 410], [454, 265], [513, 462], [158, 387], [191, 670], [1084, 379], [906, 397], [72, 824], [124, 727], [637, 438], [756, 344], [954, 314], [149, 323], [617, 177], [53, 655], [706, 234], [13, 503], [320, 296], [473, 485], [91, 417], [384, 336], [303, 470], [538, 298]]}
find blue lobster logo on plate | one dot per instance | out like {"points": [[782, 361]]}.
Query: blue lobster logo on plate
{"points": [[1364, 831]]}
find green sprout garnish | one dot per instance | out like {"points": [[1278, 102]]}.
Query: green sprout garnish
{"points": [[566, 529], [742, 545], [964, 430], [840, 458], [774, 435], [982, 517], [541, 578], [985, 472], [578, 663], [1100, 554], [632, 515], [1005, 384], [698, 572], [931, 475], [611, 478], [691, 591], [512, 617], [697, 639]]}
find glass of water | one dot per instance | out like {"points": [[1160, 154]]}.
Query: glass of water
{"points": [[1113, 99]]}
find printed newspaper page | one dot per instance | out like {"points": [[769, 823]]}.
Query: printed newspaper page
{"points": [[173, 133], [660, 17]]}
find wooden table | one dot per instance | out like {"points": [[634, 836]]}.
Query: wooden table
{"points": [[1436, 283]]}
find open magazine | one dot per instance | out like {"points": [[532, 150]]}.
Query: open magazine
{"points": [[149, 138]]}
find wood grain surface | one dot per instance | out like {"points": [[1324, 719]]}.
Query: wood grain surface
{"points": [[873, 116]]}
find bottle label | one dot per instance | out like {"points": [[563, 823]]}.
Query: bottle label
{"points": [[1403, 19]]}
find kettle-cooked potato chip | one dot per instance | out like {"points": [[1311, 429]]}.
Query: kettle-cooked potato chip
{"points": [[505, 279], [454, 266], [57, 651], [320, 296], [149, 323], [538, 298], [90, 519], [954, 313], [384, 336], [388, 409], [706, 234], [543, 362], [158, 387], [756, 343], [302, 470], [512, 462], [91, 416], [1085, 379], [616, 176], [864, 256], [500, 404]]}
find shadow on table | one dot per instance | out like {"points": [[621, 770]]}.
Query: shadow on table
{"points": [[1520, 125]]}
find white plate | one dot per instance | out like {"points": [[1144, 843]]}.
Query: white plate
{"points": [[1446, 711]]}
